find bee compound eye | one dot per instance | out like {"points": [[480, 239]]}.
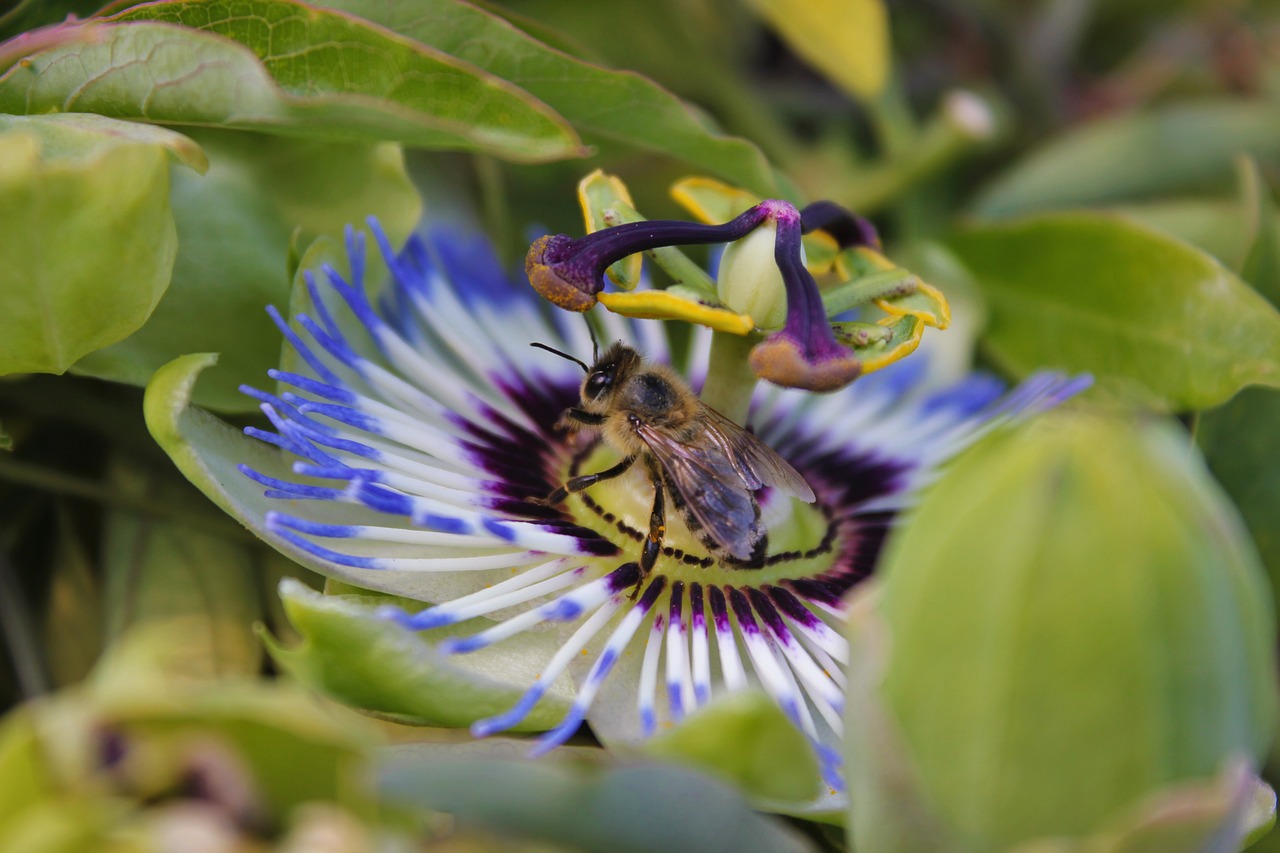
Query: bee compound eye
{"points": [[597, 383]]}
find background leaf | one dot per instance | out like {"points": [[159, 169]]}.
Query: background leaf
{"points": [[85, 232], [847, 40], [602, 104], [283, 66], [200, 579], [1261, 266], [1167, 149], [639, 809], [234, 230], [1151, 318]]}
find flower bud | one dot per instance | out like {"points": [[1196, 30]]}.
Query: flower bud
{"points": [[749, 281], [1072, 638]]}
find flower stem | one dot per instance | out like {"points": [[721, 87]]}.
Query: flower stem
{"points": [[730, 379]]}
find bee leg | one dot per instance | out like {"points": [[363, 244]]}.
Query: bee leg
{"points": [[657, 529], [573, 417], [586, 481]]}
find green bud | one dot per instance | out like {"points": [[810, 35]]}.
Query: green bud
{"points": [[749, 281], [1071, 639]]}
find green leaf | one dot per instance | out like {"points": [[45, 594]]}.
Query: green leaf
{"points": [[350, 654], [1239, 442], [281, 66], [85, 232], [847, 40], [169, 570], [745, 739], [637, 809], [604, 105], [1188, 146], [1261, 266], [1151, 318], [234, 230], [1215, 226]]}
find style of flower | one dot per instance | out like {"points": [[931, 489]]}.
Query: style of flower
{"points": [[425, 435]]}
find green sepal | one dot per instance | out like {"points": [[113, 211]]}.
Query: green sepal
{"points": [[745, 739], [353, 656]]}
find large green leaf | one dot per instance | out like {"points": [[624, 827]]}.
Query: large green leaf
{"points": [[602, 104], [1179, 147], [234, 230], [282, 66], [629, 809], [1215, 225], [85, 232], [1152, 318]]}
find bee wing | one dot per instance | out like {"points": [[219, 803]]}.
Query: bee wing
{"points": [[758, 463], [711, 487]]}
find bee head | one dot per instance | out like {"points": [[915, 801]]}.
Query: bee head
{"points": [[610, 369]]}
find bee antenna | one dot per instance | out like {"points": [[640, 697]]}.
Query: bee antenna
{"points": [[595, 345], [564, 355]]}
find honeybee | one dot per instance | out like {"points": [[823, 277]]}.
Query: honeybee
{"points": [[710, 466]]}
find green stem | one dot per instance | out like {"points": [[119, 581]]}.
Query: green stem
{"points": [[730, 379]]}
